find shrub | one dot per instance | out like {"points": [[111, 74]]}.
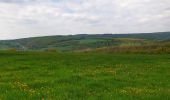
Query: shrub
{"points": [[52, 50], [12, 49]]}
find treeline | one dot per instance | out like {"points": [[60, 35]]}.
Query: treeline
{"points": [[157, 48]]}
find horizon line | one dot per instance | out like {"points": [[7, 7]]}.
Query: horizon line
{"points": [[81, 34]]}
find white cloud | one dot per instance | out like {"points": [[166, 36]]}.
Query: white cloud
{"points": [[24, 18]]}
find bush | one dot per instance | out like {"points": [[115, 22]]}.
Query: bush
{"points": [[52, 50], [12, 49]]}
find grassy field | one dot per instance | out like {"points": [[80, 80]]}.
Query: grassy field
{"points": [[84, 76]]}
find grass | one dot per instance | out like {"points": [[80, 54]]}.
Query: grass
{"points": [[84, 76]]}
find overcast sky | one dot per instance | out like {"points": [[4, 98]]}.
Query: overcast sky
{"points": [[27, 18]]}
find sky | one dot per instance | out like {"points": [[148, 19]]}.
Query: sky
{"points": [[30, 18]]}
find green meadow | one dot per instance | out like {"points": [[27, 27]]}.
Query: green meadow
{"points": [[84, 76]]}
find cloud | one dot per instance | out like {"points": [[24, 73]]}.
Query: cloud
{"points": [[25, 18]]}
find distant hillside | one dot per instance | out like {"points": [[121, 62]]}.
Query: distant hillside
{"points": [[83, 41]]}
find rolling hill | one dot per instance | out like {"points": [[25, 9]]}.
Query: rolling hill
{"points": [[83, 41]]}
